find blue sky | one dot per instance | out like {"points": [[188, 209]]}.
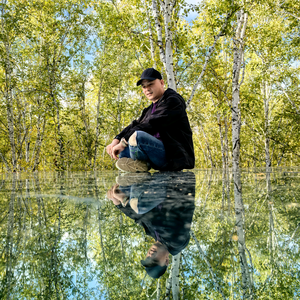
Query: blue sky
{"points": [[192, 15]]}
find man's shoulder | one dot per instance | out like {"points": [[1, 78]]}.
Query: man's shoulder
{"points": [[171, 94]]}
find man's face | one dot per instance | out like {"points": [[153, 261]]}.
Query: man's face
{"points": [[153, 90], [159, 254]]}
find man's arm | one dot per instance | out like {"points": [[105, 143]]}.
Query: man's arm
{"points": [[130, 126], [115, 147], [167, 114], [120, 200], [117, 196]]}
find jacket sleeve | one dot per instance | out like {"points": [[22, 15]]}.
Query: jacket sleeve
{"points": [[126, 130], [168, 112], [129, 212]]}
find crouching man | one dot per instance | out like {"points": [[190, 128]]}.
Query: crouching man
{"points": [[161, 138]]}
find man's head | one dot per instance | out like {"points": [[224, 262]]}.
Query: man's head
{"points": [[157, 260], [152, 84]]}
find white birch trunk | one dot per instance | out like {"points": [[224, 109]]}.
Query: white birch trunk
{"points": [[175, 275], [167, 13], [38, 143], [204, 153], [236, 127], [98, 122], [207, 146], [158, 289], [159, 33], [266, 99], [26, 131], [10, 240], [238, 49], [8, 88], [52, 86], [152, 48], [239, 215], [226, 142], [220, 134], [168, 286], [166, 54]]}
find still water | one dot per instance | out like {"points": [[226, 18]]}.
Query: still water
{"points": [[182, 235]]}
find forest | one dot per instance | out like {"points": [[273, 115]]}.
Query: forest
{"points": [[68, 73]]}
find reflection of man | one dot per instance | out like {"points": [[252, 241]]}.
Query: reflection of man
{"points": [[157, 260], [161, 138], [164, 206]]}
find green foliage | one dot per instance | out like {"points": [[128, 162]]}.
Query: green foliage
{"points": [[64, 61]]}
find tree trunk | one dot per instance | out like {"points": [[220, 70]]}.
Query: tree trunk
{"points": [[236, 127], [167, 12], [238, 50], [220, 134], [98, 121], [8, 95], [266, 99], [158, 289], [59, 163], [38, 143], [159, 33], [207, 146], [168, 286], [152, 49], [9, 240], [175, 275]]}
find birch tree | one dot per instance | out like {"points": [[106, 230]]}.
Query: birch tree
{"points": [[237, 80], [166, 53], [7, 40]]}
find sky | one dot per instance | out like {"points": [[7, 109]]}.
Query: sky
{"points": [[192, 15]]}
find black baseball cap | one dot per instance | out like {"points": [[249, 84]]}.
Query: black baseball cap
{"points": [[149, 74], [153, 270]]}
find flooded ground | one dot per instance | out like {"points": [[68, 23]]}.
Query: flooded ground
{"points": [[180, 235]]}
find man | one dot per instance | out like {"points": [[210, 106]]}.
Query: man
{"points": [[161, 138], [163, 204]]}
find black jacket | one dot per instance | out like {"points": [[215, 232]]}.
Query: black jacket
{"points": [[172, 218], [171, 121]]}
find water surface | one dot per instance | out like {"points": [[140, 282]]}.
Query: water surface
{"points": [[62, 237]]}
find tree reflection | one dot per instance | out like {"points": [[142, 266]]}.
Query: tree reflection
{"points": [[62, 239]]}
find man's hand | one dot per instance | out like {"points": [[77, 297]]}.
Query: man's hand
{"points": [[117, 150], [109, 148], [115, 195]]}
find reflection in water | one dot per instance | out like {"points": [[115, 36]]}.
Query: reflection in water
{"points": [[163, 204], [61, 238]]}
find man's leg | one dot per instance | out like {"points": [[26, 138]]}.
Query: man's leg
{"points": [[126, 164], [145, 147], [125, 153]]}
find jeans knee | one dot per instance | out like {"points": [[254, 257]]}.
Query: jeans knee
{"points": [[132, 140]]}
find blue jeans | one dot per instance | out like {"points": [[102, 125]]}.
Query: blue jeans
{"points": [[149, 149], [149, 193]]}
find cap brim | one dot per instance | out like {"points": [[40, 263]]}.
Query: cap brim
{"points": [[155, 271], [146, 78]]}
